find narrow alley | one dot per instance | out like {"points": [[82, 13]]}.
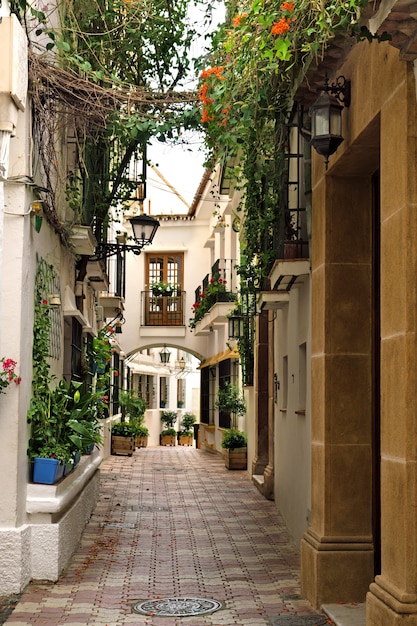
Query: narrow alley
{"points": [[174, 523]]}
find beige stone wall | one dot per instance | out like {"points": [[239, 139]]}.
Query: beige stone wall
{"points": [[380, 124]]}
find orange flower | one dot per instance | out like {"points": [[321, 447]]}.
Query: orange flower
{"points": [[281, 27], [236, 20], [202, 94], [213, 70], [225, 113], [205, 117], [287, 6]]}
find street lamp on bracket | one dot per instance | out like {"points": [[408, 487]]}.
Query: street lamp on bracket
{"points": [[144, 228]]}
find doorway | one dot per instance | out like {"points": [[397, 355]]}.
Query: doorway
{"points": [[376, 367]]}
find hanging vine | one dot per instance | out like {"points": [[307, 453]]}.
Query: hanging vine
{"points": [[257, 60], [110, 77]]}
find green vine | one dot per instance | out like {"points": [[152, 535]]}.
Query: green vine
{"points": [[258, 58], [121, 78], [64, 418]]}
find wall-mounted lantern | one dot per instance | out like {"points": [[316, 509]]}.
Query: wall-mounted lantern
{"points": [[326, 116]]}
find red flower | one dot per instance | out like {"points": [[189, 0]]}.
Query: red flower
{"points": [[287, 6], [9, 365], [44, 301], [116, 373]]}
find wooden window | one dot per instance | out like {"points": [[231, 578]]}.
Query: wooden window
{"points": [[164, 310], [167, 268]]}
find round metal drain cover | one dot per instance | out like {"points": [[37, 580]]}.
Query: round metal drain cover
{"points": [[177, 607]]}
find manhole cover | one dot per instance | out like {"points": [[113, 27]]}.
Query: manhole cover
{"points": [[300, 620], [178, 607]]}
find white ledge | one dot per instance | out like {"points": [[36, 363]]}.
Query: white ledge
{"points": [[55, 498]]}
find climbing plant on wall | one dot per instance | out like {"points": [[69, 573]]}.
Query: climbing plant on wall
{"points": [[121, 78], [258, 58]]}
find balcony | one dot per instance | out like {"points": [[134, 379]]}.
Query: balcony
{"points": [[162, 310], [213, 297]]}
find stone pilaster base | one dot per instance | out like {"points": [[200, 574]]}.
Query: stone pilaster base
{"points": [[335, 569], [386, 604], [268, 488], [14, 562]]}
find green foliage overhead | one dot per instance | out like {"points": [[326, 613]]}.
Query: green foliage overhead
{"points": [[123, 77], [247, 87]]}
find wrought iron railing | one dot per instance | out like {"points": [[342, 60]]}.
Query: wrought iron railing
{"points": [[220, 285], [222, 278], [162, 310]]}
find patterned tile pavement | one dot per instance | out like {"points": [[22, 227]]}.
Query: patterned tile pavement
{"points": [[173, 522]]}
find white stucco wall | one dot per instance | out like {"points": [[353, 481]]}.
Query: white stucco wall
{"points": [[292, 463]]}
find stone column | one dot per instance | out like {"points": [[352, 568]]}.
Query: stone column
{"points": [[261, 395], [337, 551], [393, 596]]}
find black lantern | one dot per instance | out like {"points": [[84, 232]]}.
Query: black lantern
{"points": [[144, 228], [165, 355], [235, 323], [326, 117]]}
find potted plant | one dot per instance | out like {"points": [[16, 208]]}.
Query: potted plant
{"points": [[159, 288], [64, 425], [234, 443], [63, 418], [185, 435], [230, 400], [169, 434], [50, 463], [122, 439], [133, 408], [142, 434]]}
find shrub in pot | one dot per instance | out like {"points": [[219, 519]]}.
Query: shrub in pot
{"points": [[168, 437], [234, 443], [185, 435], [122, 439], [230, 400], [142, 434]]}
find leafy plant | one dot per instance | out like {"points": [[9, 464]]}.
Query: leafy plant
{"points": [[61, 452], [133, 407], [216, 291], [233, 438], [62, 416], [133, 62], [141, 431], [122, 429], [230, 400], [168, 418], [187, 422], [160, 288], [169, 432]]}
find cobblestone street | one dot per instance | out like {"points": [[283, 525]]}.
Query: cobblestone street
{"points": [[174, 523]]}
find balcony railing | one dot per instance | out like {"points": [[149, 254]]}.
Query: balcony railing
{"points": [[162, 310], [223, 276], [218, 286]]}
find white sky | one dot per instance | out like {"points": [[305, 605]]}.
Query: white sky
{"points": [[181, 166]]}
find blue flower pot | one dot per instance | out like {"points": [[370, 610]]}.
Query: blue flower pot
{"points": [[45, 471]]}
